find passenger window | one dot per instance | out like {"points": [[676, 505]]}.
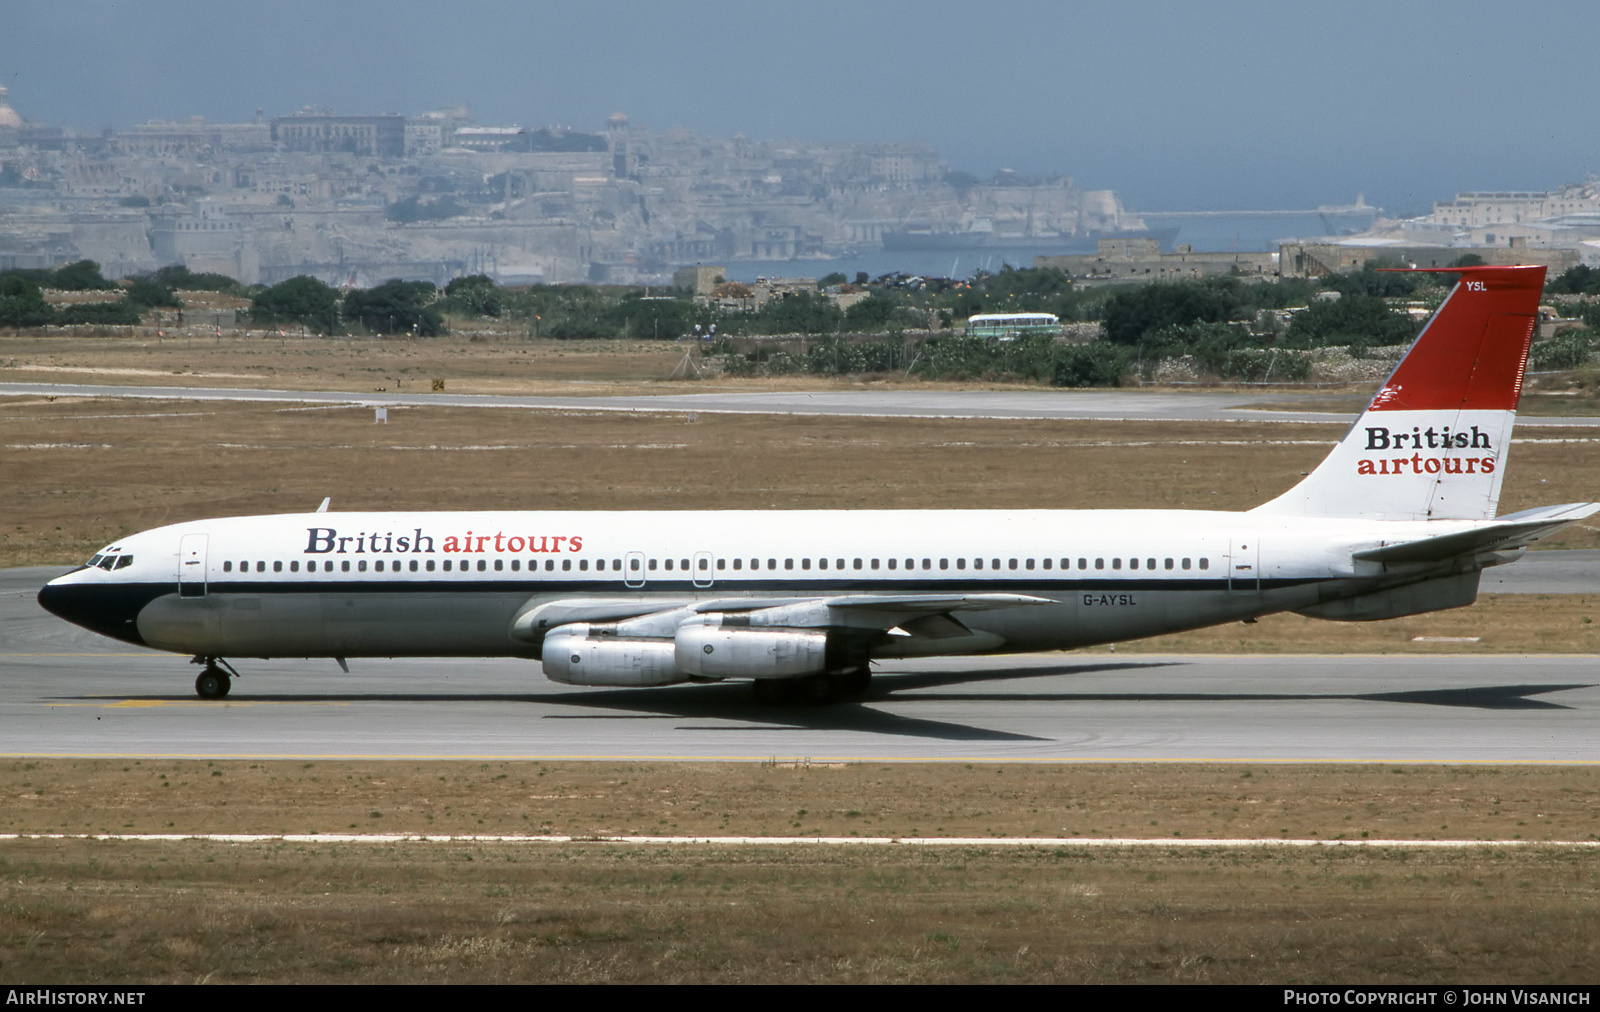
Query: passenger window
{"points": [[927, 563], [430, 565], [822, 563], [858, 564], [1116, 563], [788, 563], [378, 565], [1133, 563], [566, 565], [652, 565], [911, 563], [446, 565], [261, 567], [806, 563], [684, 565], [944, 563], [362, 565], [1185, 563], [669, 565], [327, 567], [516, 566], [994, 563], [722, 563], [227, 567], [1028, 564], [1012, 563], [1205, 563], [549, 565], [1169, 563], [635, 564], [1084, 564], [875, 563], [583, 565], [499, 565], [344, 565], [414, 565], [961, 563], [294, 567], [1099, 563], [977, 563], [1047, 563], [772, 563], [839, 564], [737, 563], [1151, 563]]}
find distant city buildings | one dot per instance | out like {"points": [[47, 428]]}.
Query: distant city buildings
{"points": [[432, 195]]}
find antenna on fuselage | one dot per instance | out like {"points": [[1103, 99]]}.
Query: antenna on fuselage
{"points": [[325, 501]]}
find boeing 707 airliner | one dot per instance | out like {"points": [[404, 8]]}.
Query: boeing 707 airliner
{"points": [[1398, 519]]}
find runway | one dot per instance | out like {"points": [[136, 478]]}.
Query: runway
{"points": [[67, 692], [1119, 405]]}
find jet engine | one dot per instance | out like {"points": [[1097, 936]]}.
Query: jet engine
{"points": [[721, 652], [574, 656]]}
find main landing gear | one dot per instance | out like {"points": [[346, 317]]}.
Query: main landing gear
{"points": [[213, 681], [816, 690]]}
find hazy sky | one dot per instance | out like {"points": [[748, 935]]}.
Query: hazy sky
{"points": [[1176, 105]]}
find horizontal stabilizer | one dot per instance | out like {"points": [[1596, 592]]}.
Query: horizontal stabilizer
{"points": [[1513, 531]]}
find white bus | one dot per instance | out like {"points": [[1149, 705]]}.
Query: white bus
{"points": [[1010, 326]]}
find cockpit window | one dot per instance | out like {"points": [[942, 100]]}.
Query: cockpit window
{"points": [[96, 560], [107, 561], [124, 562]]}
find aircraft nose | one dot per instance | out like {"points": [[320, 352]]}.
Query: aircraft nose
{"points": [[108, 610]]}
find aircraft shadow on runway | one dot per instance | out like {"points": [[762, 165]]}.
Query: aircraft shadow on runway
{"points": [[1486, 697], [731, 706]]}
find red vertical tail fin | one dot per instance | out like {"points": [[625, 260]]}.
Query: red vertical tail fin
{"points": [[1432, 444]]}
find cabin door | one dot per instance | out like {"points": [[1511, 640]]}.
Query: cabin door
{"points": [[633, 571], [192, 566], [1244, 565], [703, 574]]}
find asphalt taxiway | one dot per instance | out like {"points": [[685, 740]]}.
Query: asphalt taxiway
{"points": [[1103, 405], [68, 692]]}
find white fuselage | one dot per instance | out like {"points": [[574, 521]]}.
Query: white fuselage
{"points": [[465, 584]]}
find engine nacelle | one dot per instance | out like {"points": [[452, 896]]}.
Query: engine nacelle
{"points": [[572, 656], [719, 652]]}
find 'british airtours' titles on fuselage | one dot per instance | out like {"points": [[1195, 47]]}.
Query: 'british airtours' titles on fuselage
{"points": [[1382, 438], [328, 541]]}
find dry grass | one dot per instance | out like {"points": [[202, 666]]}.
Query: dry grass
{"points": [[1152, 800], [94, 912], [81, 473], [1502, 623], [197, 912]]}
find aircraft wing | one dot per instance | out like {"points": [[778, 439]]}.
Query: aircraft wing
{"points": [[659, 617], [1510, 532], [931, 604]]}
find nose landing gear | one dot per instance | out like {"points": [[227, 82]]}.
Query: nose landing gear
{"points": [[213, 681]]}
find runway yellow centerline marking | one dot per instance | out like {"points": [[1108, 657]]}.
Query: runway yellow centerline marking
{"points": [[143, 704]]}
